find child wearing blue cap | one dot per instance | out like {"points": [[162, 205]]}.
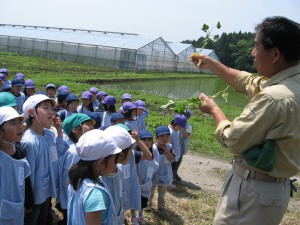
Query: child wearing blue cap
{"points": [[185, 137], [145, 170], [177, 125], [72, 101], [51, 91], [163, 176], [100, 97], [109, 105], [29, 88], [16, 85], [87, 104], [130, 111], [142, 113]]}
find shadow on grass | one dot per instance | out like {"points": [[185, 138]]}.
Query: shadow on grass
{"points": [[166, 216], [183, 190]]}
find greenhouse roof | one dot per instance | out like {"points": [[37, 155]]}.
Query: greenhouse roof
{"points": [[204, 51], [179, 47], [89, 37]]}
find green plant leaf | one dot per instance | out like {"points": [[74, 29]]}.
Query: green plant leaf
{"points": [[205, 27], [219, 25]]}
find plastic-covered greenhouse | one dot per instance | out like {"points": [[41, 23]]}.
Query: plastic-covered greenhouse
{"points": [[109, 49], [183, 52]]}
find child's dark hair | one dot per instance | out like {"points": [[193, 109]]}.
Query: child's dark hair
{"points": [[127, 114], [109, 108], [84, 170], [73, 137]]}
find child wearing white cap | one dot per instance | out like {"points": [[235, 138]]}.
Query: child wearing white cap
{"points": [[89, 201], [15, 168], [43, 150]]}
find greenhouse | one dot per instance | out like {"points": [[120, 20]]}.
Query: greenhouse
{"points": [[109, 49], [183, 52]]}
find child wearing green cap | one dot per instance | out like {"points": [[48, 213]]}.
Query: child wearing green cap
{"points": [[74, 126]]}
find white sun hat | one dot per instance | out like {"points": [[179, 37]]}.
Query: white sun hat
{"points": [[8, 113], [96, 144]]}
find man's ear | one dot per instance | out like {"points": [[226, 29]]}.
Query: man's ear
{"points": [[276, 55]]}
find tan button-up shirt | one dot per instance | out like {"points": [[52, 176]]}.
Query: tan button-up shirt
{"points": [[273, 112]]}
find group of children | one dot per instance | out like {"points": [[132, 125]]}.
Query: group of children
{"points": [[96, 161]]}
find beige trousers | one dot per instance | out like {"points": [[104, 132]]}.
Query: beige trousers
{"points": [[252, 202], [161, 196]]}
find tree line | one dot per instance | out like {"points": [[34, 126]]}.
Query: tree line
{"points": [[233, 49]]}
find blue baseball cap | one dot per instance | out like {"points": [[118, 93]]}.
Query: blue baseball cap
{"points": [[4, 70], [100, 94], [145, 134], [6, 88], [116, 116], [162, 130], [16, 82], [72, 97], [20, 76], [2, 77], [128, 106], [94, 89], [50, 86], [109, 100], [126, 96], [86, 94], [64, 88], [140, 104], [29, 83], [180, 120]]}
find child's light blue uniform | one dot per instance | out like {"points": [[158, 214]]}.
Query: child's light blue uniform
{"points": [[20, 101], [185, 141], [66, 162], [131, 187], [114, 185], [145, 171], [132, 124], [106, 119], [42, 153], [141, 120], [76, 214], [12, 189], [175, 143], [164, 174]]}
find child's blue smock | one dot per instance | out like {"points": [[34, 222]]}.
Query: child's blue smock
{"points": [[131, 188], [164, 174], [114, 186], [12, 189], [175, 143], [42, 153], [66, 162], [145, 171], [141, 120], [76, 214]]}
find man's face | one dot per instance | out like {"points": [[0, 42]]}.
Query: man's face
{"points": [[263, 59]]}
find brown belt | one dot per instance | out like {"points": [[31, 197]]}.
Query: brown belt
{"points": [[246, 173]]}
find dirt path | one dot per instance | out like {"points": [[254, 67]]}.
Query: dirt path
{"points": [[208, 174]]}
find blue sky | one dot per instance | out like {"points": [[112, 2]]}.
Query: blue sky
{"points": [[174, 20]]}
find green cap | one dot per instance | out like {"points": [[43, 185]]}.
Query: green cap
{"points": [[7, 99], [123, 126], [74, 121]]}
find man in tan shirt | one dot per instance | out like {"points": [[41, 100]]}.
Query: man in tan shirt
{"points": [[251, 195]]}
